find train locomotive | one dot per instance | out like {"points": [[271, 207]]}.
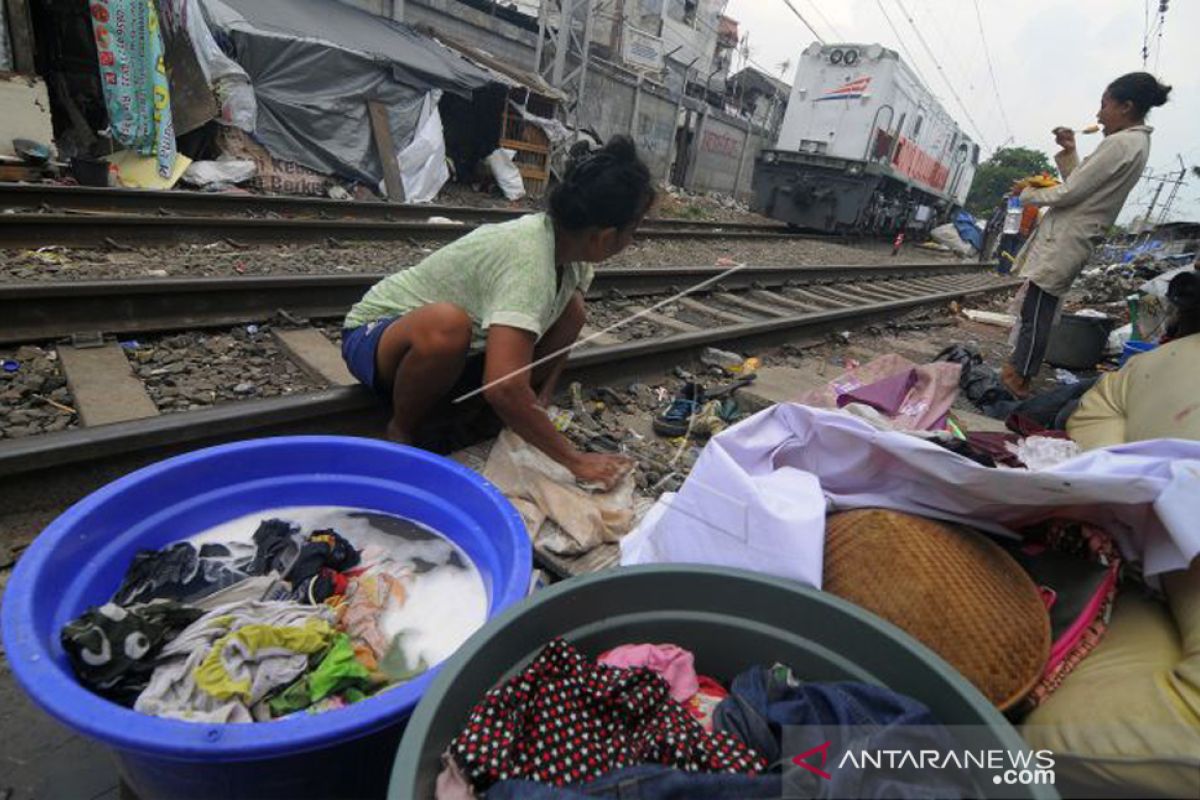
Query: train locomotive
{"points": [[864, 147]]}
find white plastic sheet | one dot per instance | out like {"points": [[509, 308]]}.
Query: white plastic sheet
{"points": [[423, 169], [758, 494]]}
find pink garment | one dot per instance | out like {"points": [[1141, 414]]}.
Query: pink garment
{"points": [[451, 783], [914, 397], [676, 665]]}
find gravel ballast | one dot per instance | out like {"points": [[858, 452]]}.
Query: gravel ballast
{"points": [[198, 369], [34, 397]]}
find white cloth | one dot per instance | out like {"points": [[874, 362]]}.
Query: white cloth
{"points": [[758, 494]]}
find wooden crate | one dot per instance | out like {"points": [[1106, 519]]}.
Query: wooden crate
{"points": [[532, 147]]}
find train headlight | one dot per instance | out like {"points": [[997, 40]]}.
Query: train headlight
{"points": [[853, 169], [769, 158]]}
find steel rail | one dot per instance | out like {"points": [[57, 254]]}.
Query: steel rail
{"points": [[65, 199], [42, 311], [87, 446], [22, 230]]}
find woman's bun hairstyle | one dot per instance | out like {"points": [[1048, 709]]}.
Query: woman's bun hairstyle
{"points": [[605, 188]]}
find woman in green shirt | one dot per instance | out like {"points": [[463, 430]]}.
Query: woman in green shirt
{"points": [[480, 311]]}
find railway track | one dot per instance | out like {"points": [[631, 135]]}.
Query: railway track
{"points": [[34, 198], [754, 308], [37, 215], [44, 311]]}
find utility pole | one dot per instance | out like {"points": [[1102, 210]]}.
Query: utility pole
{"points": [[561, 57], [618, 32], [1178, 182]]}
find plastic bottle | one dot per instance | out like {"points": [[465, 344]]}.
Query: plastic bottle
{"points": [[1012, 216]]}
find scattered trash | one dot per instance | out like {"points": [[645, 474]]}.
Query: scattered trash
{"points": [[220, 174], [444, 221], [1043, 452], [842, 337], [251, 329], [560, 418], [55, 404], [990, 318], [1065, 377], [338, 193], [676, 419], [726, 262], [712, 357], [1117, 340], [243, 388], [132, 344], [10, 365], [747, 367], [157, 273]]}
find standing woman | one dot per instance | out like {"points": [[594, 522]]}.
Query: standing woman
{"points": [[496, 310], [1081, 209]]}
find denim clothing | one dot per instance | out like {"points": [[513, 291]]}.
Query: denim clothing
{"points": [[851, 716], [648, 782]]}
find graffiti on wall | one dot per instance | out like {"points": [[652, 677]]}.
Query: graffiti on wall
{"points": [[720, 144]]}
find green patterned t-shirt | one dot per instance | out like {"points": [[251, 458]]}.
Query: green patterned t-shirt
{"points": [[499, 274]]}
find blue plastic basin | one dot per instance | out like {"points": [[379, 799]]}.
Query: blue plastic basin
{"points": [[79, 560], [1131, 349]]}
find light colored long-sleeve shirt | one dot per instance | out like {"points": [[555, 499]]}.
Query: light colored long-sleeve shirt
{"points": [[1082, 208], [1156, 395]]}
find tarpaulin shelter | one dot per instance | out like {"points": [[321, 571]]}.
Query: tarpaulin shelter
{"points": [[314, 65]]}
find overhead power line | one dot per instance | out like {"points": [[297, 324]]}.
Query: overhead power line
{"points": [[991, 71], [912, 62], [1145, 33], [825, 19], [949, 84], [800, 17]]}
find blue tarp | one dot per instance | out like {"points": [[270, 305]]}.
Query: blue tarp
{"points": [[968, 231]]}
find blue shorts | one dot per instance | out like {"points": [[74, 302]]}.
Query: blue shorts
{"points": [[358, 351], [360, 344]]}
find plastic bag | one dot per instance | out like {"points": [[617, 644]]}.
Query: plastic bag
{"points": [[239, 106], [508, 177], [227, 171], [948, 235]]}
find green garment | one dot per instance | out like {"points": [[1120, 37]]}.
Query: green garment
{"points": [[395, 664], [499, 274], [258, 644], [338, 672]]}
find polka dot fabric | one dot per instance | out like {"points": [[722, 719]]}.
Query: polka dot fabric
{"points": [[566, 720]]}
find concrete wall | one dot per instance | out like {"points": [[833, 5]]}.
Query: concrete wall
{"points": [[722, 160], [608, 108]]}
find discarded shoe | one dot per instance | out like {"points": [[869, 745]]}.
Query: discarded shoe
{"points": [[675, 418], [708, 420]]}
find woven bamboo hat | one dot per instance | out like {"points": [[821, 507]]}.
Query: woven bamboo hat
{"points": [[949, 587]]}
